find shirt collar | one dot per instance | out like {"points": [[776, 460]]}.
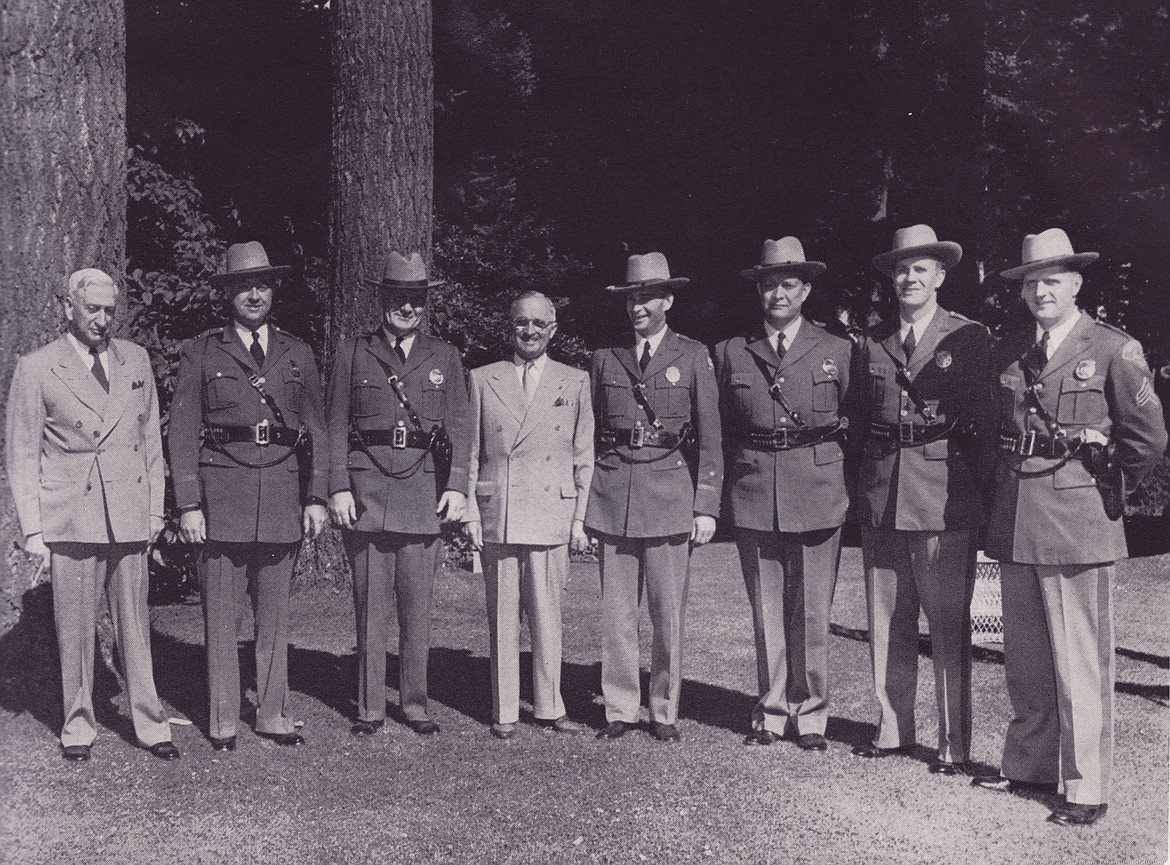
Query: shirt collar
{"points": [[1058, 334], [83, 350], [392, 338], [919, 326], [537, 365], [245, 335], [654, 341], [789, 330]]}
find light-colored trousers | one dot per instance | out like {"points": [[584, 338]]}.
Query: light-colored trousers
{"points": [[790, 578], [386, 566], [80, 573], [903, 570], [228, 574], [532, 578], [662, 565], [1060, 668]]}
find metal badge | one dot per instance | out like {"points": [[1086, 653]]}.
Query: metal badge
{"points": [[436, 377], [673, 375], [829, 367], [943, 359], [1085, 369]]}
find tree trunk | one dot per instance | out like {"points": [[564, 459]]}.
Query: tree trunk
{"points": [[383, 153], [63, 207]]}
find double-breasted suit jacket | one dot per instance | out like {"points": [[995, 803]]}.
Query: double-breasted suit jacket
{"points": [[530, 468], [636, 492], [795, 490], [86, 472], [531, 465], [934, 486], [1096, 380], [244, 504], [360, 393], [85, 466]]}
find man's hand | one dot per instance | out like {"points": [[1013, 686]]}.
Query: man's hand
{"points": [[156, 526], [451, 505], [343, 510], [35, 546], [313, 521], [578, 540], [474, 530], [192, 527], [703, 529]]}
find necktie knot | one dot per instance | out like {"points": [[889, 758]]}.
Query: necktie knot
{"points": [[780, 348], [256, 349], [398, 350], [528, 380], [644, 360], [909, 344]]}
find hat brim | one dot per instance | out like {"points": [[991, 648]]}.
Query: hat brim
{"points": [[393, 285], [218, 279], [948, 252], [805, 269], [1074, 262], [658, 284]]}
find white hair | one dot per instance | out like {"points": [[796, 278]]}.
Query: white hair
{"points": [[86, 277]]}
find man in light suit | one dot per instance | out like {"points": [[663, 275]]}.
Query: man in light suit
{"points": [[85, 463], [530, 467], [925, 417], [655, 492], [1070, 387]]}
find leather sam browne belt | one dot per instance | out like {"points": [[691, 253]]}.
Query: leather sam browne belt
{"points": [[643, 437], [398, 438], [783, 438], [1030, 444], [911, 434], [262, 433]]}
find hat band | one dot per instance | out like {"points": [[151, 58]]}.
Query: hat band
{"points": [[404, 283]]}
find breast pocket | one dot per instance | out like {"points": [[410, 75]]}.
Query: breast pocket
{"points": [[619, 398], [671, 399], [825, 389], [1082, 402], [225, 389], [365, 398], [877, 384], [432, 402], [741, 392], [1008, 385]]}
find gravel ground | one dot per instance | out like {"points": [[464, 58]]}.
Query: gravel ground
{"points": [[463, 796]]}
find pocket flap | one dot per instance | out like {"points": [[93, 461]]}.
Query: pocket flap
{"points": [[485, 488], [568, 490], [742, 379], [1071, 384]]}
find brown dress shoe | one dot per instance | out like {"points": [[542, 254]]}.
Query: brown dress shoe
{"points": [[1075, 814], [871, 751], [164, 751], [666, 733], [761, 738], [365, 728], [287, 740], [812, 742], [946, 767], [614, 730], [228, 743], [563, 724], [425, 727], [75, 753]]}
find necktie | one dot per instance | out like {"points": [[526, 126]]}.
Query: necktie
{"points": [[529, 381], [909, 345], [401, 354], [780, 346], [255, 349], [644, 360], [1037, 357], [99, 371]]}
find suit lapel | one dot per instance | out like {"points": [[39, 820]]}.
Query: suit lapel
{"points": [[625, 356], [938, 328], [762, 348], [119, 376], [502, 381], [71, 370], [803, 343], [1078, 341], [669, 351], [422, 349], [233, 345], [278, 344], [550, 389]]}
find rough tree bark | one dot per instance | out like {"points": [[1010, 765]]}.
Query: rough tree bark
{"points": [[63, 205], [383, 121]]}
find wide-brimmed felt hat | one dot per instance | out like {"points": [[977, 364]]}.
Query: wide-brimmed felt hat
{"points": [[405, 274], [1050, 248], [247, 260], [918, 241], [787, 255], [648, 271]]}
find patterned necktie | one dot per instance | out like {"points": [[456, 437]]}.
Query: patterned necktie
{"points": [[1037, 357], [99, 371], [529, 381], [909, 345], [256, 349], [401, 354], [644, 360]]}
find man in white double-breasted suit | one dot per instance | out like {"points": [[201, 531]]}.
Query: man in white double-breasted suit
{"points": [[85, 464], [531, 464]]}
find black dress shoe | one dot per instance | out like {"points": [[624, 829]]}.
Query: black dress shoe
{"points": [[164, 751], [945, 767], [504, 731], [365, 728], [666, 733], [226, 744], [872, 751], [75, 753], [614, 730], [1000, 784], [812, 742], [287, 740], [425, 727], [761, 738], [1073, 814]]}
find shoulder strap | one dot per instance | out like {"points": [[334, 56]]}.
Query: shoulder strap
{"points": [[776, 392], [903, 378]]}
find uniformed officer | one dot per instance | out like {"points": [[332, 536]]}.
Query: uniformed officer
{"points": [[1079, 424], [782, 394], [924, 419], [244, 425], [655, 492], [398, 449]]}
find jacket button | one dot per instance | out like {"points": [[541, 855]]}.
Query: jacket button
{"points": [[904, 412], [78, 424], [547, 488], [500, 428], [140, 479], [781, 379], [96, 434], [547, 459], [1039, 386], [1031, 411], [135, 448], [557, 427]]}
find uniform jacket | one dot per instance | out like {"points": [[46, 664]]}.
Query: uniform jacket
{"points": [[80, 460], [1097, 379], [531, 465], [641, 493], [243, 504], [359, 390], [796, 490], [931, 487]]}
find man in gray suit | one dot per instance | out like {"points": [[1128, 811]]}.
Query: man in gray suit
{"points": [[530, 468], [84, 460]]}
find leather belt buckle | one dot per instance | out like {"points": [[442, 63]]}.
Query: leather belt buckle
{"points": [[906, 433], [1026, 445], [638, 436], [398, 437], [780, 438], [261, 432]]}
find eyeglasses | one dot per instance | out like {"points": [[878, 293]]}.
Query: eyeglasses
{"points": [[525, 323]]}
